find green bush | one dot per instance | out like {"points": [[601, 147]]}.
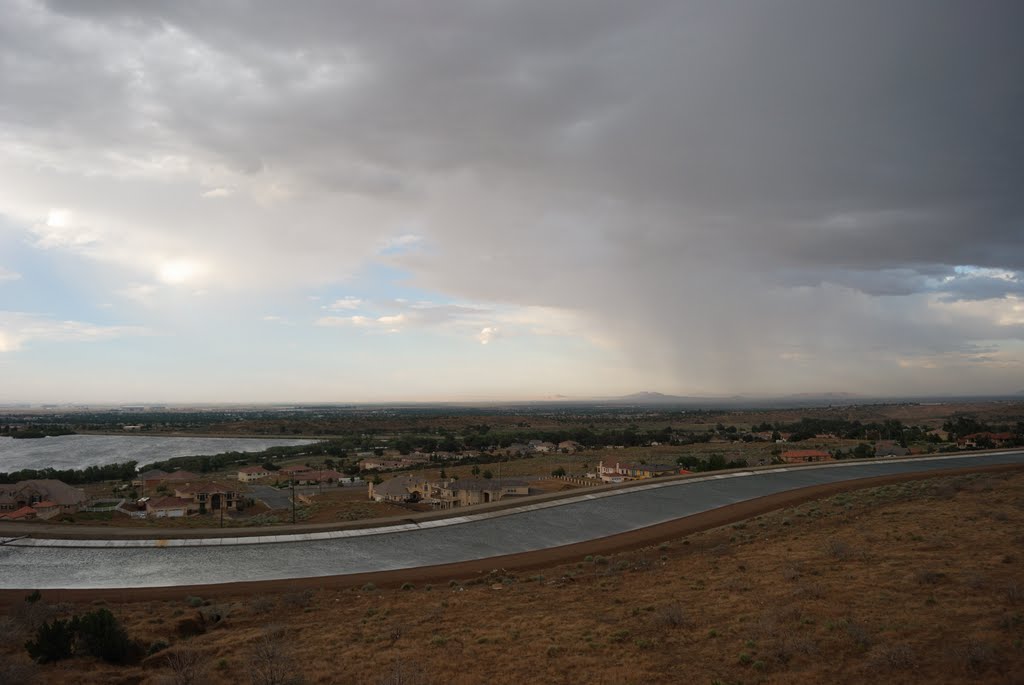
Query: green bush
{"points": [[102, 635], [53, 642]]}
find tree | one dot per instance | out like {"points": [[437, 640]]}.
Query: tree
{"points": [[559, 472], [488, 474], [475, 470]]}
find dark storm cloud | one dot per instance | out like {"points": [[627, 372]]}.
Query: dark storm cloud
{"points": [[682, 173]]}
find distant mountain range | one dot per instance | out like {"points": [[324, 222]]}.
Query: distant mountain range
{"points": [[657, 398]]}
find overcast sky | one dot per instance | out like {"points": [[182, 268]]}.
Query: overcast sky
{"points": [[350, 201]]}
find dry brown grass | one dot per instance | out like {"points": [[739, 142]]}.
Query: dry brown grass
{"points": [[925, 587]]}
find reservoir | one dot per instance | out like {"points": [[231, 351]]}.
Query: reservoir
{"points": [[79, 451]]}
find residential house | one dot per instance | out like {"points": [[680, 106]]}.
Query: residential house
{"points": [[620, 472], [330, 476], [469, 491], [382, 464], [209, 496], [569, 446], [22, 514], [466, 492], [168, 507], [250, 474], [802, 456], [151, 480], [153, 475], [315, 476], [46, 509], [399, 489], [25, 493], [541, 446], [890, 448], [299, 474], [986, 439]]}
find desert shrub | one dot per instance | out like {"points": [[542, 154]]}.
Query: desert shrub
{"points": [[859, 633], [672, 616], [976, 656], [1014, 592], [976, 581], [10, 630], [782, 650], [212, 614], [157, 646], [17, 671], [97, 633], [190, 627], [408, 586], [619, 636], [31, 613], [927, 576], [299, 599], [791, 572], [194, 601], [53, 642], [891, 658], [262, 604], [187, 666], [838, 549], [403, 673], [370, 587], [270, 662], [809, 591], [102, 635], [1010, 621]]}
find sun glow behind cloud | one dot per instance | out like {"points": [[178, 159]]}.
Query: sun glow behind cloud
{"points": [[180, 271]]}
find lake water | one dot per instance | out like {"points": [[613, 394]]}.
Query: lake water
{"points": [[79, 451]]}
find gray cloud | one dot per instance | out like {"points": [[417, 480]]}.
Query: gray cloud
{"points": [[744, 196]]}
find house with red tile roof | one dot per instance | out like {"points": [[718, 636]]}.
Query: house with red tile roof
{"points": [[46, 509], [803, 456], [248, 474], [168, 507], [22, 514]]}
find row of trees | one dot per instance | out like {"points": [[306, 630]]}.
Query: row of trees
{"points": [[90, 474]]}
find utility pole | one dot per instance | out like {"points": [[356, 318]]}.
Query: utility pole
{"points": [[223, 503], [293, 498]]}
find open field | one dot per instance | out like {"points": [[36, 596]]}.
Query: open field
{"points": [[919, 581]]}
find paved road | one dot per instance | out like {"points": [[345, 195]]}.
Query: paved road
{"points": [[272, 497], [123, 564]]}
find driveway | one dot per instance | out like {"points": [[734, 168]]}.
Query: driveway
{"points": [[272, 497]]}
